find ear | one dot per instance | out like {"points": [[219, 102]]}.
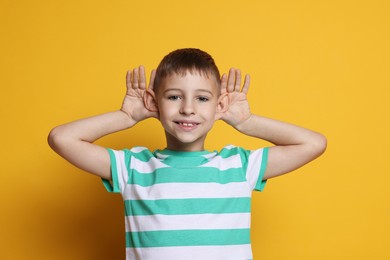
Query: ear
{"points": [[150, 101], [222, 106]]}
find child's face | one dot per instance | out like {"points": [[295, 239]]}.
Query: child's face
{"points": [[188, 106]]}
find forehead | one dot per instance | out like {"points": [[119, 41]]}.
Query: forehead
{"points": [[191, 80]]}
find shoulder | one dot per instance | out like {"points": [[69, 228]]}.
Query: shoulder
{"points": [[138, 152], [233, 150], [245, 155]]}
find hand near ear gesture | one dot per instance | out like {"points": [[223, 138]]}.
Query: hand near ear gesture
{"points": [[133, 104], [238, 111]]}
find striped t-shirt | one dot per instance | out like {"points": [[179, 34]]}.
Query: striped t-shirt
{"points": [[187, 205]]}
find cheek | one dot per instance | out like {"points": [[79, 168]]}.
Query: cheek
{"points": [[212, 108], [166, 110], [208, 113]]}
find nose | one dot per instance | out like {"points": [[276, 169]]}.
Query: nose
{"points": [[187, 107]]}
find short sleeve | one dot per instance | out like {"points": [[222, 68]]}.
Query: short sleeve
{"points": [[256, 166], [119, 171]]}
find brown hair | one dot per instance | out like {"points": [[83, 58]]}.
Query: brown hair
{"points": [[186, 60]]}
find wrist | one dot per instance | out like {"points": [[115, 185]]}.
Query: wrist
{"points": [[127, 119], [244, 125]]}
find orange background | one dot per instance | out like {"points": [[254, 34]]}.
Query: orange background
{"points": [[320, 64]]}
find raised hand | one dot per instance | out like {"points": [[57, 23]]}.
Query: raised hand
{"points": [[238, 111], [133, 104]]}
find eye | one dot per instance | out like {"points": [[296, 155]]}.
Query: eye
{"points": [[173, 97], [203, 99]]}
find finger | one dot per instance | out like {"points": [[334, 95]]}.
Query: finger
{"points": [[237, 85], [247, 82], [230, 82], [142, 79], [129, 75], [151, 81], [135, 78], [223, 83]]}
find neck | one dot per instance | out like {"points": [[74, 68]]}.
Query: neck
{"points": [[175, 145]]}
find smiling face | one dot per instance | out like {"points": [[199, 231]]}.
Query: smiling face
{"points": [[188, 105]]}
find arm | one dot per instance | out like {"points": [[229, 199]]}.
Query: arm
{"points": [[294, 146], [74, 141]]}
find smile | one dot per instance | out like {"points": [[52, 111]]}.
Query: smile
{"points": [[187, 124]]}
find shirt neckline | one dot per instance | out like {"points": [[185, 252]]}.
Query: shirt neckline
{"points": [[181, 153]]}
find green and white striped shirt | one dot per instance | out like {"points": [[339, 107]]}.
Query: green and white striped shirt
{"points": [[187, 205]]}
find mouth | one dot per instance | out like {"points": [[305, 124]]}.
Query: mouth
{"points": [[187, 125]]}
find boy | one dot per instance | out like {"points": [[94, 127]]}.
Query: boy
{"points": [[183, 202]]}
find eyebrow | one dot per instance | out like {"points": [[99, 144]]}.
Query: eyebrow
{"points": [[200, 90]]}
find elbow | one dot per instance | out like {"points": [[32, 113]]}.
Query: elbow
{"points": [[319, 145], [52, 138], [55, 138]]}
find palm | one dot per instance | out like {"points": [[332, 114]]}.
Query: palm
{"points": [[238, 110], [133, 103]]}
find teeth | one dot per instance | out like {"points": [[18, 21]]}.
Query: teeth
{"points": [[186, 124]]}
